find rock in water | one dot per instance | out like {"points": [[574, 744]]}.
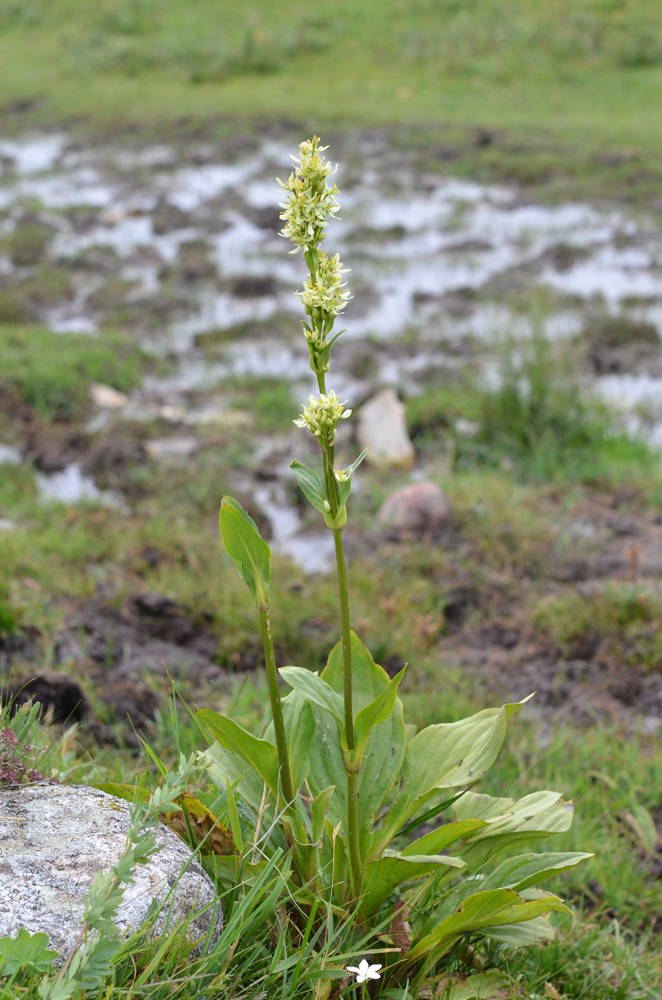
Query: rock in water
{"points": [[383, 430], [53, 840], [420, 509]]}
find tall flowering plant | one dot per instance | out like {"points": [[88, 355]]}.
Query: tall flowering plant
{"points": [[337, 780]]}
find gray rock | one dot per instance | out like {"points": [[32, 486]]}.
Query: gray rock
{"points": [[383, 430], [53, 840], [419, 508]]}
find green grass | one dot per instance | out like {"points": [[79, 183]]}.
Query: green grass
{"points": [[568, 90], [54, 378], [270, 401], [539, 420], [609, 949], [8, 616], [624, 618]]}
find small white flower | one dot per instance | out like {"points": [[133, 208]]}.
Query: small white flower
{"points": [[365, 971]]}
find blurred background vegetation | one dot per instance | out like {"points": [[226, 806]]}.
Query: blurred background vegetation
{"points": [[589, 71]]}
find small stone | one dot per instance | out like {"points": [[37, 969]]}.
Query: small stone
{"points": [[106, 397], [419, 508], [53, 840], [383, 430], [173, 414], [7, 525]]}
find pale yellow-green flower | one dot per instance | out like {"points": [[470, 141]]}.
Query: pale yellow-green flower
{"points": [[325, 294], [310, 198], [321, 415]]}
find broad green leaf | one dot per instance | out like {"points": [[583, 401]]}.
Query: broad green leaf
{"points": [[481, 986], [448, 755], [222, 764], [432, 814], [124, 790], [26, 952], [345, 488], [318, 809], [529, 869], [373, 714], [443, 837], [234, 814], [311, 487], [300, 732], [261, 755], [249, 551], [384, 753], [327, 766], [529, 932], [385, 873], [502, 813], [231, 502], [481, 910], [520, 874], [315, 689], [510, 821]]}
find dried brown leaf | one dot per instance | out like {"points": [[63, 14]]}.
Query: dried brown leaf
{"points": [[399, 928]]}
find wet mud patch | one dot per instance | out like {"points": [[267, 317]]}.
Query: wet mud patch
{"points": [[115, 665], [590, 647], [580, 691], [619, 344]]}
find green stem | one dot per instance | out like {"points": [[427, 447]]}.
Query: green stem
{"points": [[276, 708], [346, 639], [352, 776]]}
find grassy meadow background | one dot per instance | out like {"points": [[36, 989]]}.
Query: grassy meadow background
{"points": [[574, 85], [561, 99]]}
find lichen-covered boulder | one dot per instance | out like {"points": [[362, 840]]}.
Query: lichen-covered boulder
{"points": [[54, 838]]}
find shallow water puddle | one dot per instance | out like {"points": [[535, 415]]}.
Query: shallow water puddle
{"points": [[313, 551], [10, 455], [71, 486]]}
